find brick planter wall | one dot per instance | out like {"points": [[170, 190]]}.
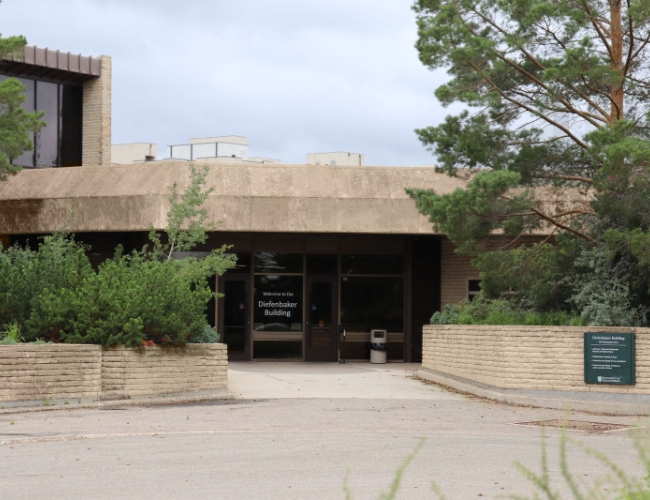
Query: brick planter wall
{"points": [[525, 357], [61, 372], [163, 370], [55, 371]]}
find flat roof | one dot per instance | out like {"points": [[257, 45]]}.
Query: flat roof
{"points": [[246, 198]]}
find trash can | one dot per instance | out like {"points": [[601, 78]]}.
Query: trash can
{"points": [[378, 346]]}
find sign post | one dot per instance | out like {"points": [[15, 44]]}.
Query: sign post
{"points": [[610, 358]]}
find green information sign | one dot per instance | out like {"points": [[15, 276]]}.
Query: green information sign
{"points": [[609, 358]]}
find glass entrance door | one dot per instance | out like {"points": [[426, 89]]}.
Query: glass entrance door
{"points": [[234, 317], [321, 325]]}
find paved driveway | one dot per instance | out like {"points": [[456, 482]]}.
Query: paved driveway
{"points": [[295, 434]]}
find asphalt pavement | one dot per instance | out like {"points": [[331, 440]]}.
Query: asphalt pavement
{"points": [[300, 431]]}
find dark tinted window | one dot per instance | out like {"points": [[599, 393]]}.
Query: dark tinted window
{"points": [[322, 264], [71, 125], [47, 140], [243, 264], [372, 303], [27, 158], [372, 264], [60, 142], [273, 262]]}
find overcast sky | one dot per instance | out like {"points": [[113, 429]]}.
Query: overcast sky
{"points": [[294, 76]]}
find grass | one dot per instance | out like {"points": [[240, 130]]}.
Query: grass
{"points": [[616, 484], [10, 334]]}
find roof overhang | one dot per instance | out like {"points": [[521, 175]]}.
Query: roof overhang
{"points": [[246, 198], [53, 65]]}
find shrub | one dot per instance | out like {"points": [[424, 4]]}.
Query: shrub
{"points": [[207, 336], [33, 285], [54, 293], [134, 298], [602, 291], [483, 311]]}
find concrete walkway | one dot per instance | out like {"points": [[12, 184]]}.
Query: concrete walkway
{"points": [[281, 380]]}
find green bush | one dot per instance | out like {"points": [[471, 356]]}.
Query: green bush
{"points": [[207, 336], [132, 298], [603, 292], [33, 285], [483, 311], [54, 293]]}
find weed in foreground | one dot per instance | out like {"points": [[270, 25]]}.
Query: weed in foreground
{"points": [[616, 484]]}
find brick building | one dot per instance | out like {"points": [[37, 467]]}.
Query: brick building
{"points": [[74, 91], [320, 247]]}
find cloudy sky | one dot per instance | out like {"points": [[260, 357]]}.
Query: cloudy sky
{"points": [[294, 76]]}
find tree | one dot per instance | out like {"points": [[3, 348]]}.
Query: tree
{"points": [[186, 219], [16, 124], [557, 95]]}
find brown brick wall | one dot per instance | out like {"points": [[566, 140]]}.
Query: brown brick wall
{"points": [[457, 270], [96, 140], [33, 372], [63, 371], [156, 370], [532, 357]]}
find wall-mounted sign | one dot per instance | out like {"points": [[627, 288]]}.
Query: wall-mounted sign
{"points": [[278, 303], [609, 358]]}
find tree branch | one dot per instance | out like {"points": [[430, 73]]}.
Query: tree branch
{"points": [[528, 108], [557, 223], [598, 27], [565, 178], [590, 117]]}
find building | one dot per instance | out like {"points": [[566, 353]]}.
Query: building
{"points": [[222, 149], [125, 154], [321, 248], [75, 93], [318, 246], [340, 158]]}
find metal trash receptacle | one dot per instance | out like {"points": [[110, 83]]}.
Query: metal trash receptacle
{"points": [[378, 346]]}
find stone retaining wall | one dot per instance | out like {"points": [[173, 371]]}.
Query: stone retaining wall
{"points": [[49, 371], [61, 372], [525, 357], [155, 370]]}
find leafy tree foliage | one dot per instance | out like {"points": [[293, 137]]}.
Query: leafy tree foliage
{"points": [[16, 124], [186, 219], [556, 96]]}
